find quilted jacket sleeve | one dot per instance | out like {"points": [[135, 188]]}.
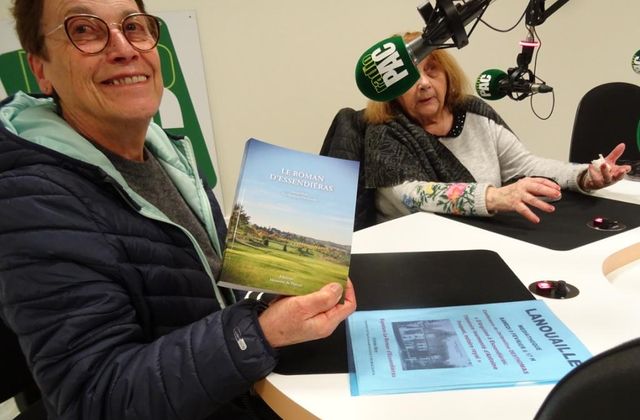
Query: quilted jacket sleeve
{"points": [[61, 291]]}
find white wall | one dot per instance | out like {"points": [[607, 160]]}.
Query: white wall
{"points": [[279, 70]]}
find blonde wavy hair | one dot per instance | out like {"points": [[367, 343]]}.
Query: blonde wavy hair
{"points": [[457, 86]]}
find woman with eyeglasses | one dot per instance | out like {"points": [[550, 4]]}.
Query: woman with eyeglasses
{"points": [[109, 243]]}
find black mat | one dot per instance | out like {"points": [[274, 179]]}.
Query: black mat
{"points": [[409, 280], [564, 229]]}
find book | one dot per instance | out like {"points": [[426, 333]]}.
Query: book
{"points": [[291, 226], [459, 347]]}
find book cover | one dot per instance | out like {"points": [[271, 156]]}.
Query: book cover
{"points": [[291, 226], [460, 347]]}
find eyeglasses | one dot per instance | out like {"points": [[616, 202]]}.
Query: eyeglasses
{"points": [[91, 35]]}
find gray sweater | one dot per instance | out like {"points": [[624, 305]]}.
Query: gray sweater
{"points": [[492, 154]]}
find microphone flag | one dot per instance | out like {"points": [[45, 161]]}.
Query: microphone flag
{"points": [[488, 84], [635, 62], [386, 70]]}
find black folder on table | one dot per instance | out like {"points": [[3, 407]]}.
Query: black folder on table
{"points": [[567, 227], [409, 280]]}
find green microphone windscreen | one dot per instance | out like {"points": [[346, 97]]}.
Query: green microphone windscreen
{"points": [[635, 62], [386, 70], [488, 84]]}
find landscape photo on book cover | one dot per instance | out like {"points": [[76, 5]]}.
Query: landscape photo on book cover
{"points": [[292, 222]]}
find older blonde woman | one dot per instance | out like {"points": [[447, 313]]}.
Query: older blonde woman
{"points": [[436, 148]]}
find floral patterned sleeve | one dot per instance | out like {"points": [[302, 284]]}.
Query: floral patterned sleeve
{"points": [[458, 198]]}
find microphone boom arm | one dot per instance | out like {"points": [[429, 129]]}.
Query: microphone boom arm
{"points": [[446, 21], [521, 76], [537, 14]]}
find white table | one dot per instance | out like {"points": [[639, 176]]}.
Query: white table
{"points": [[604, 314]]}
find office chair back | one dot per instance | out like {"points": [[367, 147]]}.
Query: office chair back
{"points": [[604, 387], [607, 115], [345, 140]]}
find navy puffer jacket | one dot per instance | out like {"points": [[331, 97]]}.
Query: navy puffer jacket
{"points": [[114, 308]]}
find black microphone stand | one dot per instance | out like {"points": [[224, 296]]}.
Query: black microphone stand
{"points": [[448, 20], [521, 78]]}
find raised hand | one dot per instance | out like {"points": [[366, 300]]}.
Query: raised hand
{"points": [[604, 172]]}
